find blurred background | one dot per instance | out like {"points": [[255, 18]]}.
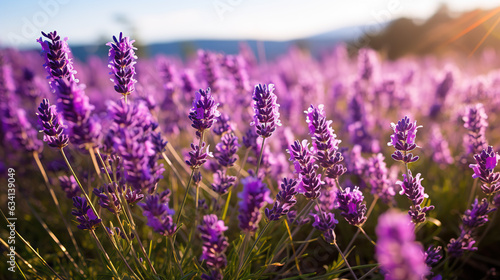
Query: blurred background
{"points": [[395, 27]]}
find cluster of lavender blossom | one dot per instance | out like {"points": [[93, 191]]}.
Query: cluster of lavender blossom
{"points": [[183, 188]]}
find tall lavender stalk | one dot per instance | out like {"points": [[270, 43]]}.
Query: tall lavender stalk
{"points": [[121, 62], [403, 141], [475, 121], [486, 162], [472, 219], [73, 103], [203, 115], [214, 246], [266, 114]]}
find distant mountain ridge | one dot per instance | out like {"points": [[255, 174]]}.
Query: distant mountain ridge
{"points": [[316, 44]]}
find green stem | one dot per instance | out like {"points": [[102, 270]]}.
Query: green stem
{"points": [[260, 157], [372, 206], [99, 244], [128, 212], [226, 206], [175, 255], [345, 260], [132, 249], [185, 197], [103, 165], [95, 212], [58, 207], [293, 247], [366, 235], [247, 256]]}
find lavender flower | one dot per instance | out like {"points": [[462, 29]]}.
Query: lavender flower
{"points": [[133, 196], [266, 116], [440, 151], [477, 216], [285, 199], [413, 189], [304, 165], [159, 215], [324, 140], [326, 224], [84, 214], [433, 255], [188, 81], [132, 137], [400, 257], [328, 198], [250, 138], [209, 69], [475, 121], [222, 182], [403, 140], [56, 53], [121, 62], [108, 198], [204, 112], [18, 130], [225, 151], [496, 200], [236, 65], [336, 171], [254, 196], [214, 246], [197, 157], [69, 186], [486, 162], [223, 125], [377, 172], [367, 64], [52, 125], [352, 206], [472, 219], [72, 101], [74, 105]]}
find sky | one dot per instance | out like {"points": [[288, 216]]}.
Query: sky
{"points": [[94, 22]]}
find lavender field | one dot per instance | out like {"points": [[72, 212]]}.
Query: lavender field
{"points": [[346, 165]]}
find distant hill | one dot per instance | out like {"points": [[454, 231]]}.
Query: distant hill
{"points": [[440, 33], [316, 44]]}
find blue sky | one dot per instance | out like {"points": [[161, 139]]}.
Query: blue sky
{"points": [[171, 20]]}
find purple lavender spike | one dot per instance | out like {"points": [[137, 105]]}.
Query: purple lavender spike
{"points": [[253, 197], [285, 199], [159, 215], [121, 62], [486, 162], [400, 257], [266, 115], [352, 206], [69, 186], [475, 121], [413, 189], [324, 140], [84, 214], [214, 245], [403, 140], [204, 112], [52, 125]]}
